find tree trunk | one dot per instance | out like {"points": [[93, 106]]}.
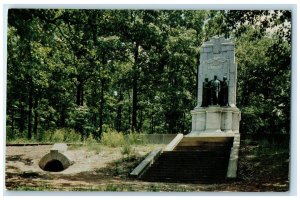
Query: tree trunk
{"points": [[12, 121], [101, 108], [22, 118], [81, 98], [129, 118], [62, 115], [30, 105], [183, 125], [79, 91], [78, 95], [134, 106], [35, 126], [135, 89], [152, 124], [139, 128], [119, 110]]}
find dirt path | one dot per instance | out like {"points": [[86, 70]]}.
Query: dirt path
{"points": [[90, 167]]}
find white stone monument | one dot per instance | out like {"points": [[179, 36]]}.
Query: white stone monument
{"points": [[216, 59]]}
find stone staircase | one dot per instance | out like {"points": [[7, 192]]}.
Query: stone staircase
{"points": [[198, 160]]}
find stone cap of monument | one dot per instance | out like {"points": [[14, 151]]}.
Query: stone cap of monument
{"points": [[217, 44]]}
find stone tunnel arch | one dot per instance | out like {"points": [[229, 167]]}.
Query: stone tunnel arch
{"points": [[54, 162]]}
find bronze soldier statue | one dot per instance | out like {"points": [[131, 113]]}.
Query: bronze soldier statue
{"points": [[206, 93], [224, 92], [215, 90]]}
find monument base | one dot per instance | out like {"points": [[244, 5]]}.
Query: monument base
{"points": [[215, 120]]}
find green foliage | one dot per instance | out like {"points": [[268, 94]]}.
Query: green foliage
{"points": [[136, 70], [154, 188], [276, 21], [62, 135], [57, 136], [266, 147], [72, 136], [20, 140], [127, 149], [90, 139], [113, 139], [111, 188], [263, 85], [136, 138]]}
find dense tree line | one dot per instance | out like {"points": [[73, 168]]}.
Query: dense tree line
{"points": [[135, 70]]}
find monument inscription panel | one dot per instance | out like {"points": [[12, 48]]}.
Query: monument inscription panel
{"points": [[217, 59]]}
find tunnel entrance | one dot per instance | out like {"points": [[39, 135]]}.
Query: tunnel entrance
{"points": [[54, 166], [57, 160]]}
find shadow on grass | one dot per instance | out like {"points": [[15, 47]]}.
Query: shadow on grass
{"points": [[20, 158]]}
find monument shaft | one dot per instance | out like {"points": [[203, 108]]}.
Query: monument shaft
{"points": [[216, 110]]}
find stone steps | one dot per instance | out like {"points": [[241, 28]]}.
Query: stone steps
{"points": [[195, 153], [215, 147], [203, 164]]}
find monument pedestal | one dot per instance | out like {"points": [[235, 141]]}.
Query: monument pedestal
{"points": [[215, 120]]}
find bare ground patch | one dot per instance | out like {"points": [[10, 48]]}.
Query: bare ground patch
{"points": [[108, 169]]}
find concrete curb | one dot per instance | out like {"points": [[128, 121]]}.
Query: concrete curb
{"points": [[234, 156], [174, 142], [140, 169]]}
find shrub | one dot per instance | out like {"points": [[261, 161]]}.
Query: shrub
{"points": [[72, 136], [111, 187], [136, 138], [18, 137], [89, 140], [58, 135], [19, 140], [126, 149], [112, 138], [45, 136], [61, 135]]}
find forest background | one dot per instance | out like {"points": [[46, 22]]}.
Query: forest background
{"points": [[88, 72]]}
